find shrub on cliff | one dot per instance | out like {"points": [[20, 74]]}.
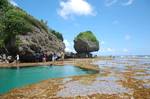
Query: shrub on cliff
{"points": [[15, 21], [13, 24], [57, 34], [4, 5]]}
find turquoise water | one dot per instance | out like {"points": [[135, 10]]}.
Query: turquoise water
{"points": [[14, 78]]}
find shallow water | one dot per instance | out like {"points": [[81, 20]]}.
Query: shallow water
{"points": [[76, 88], [13, 78], [127, 78], [124, 64], [117, 76]]}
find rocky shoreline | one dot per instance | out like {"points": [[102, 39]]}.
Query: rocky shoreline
{"points": [[112, 82], [74, 62]]}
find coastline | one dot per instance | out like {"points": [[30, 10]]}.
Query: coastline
{"points": [[75, 62], [109, 83]]}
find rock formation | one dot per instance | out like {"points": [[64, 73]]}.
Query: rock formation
{"points": [[85, 43], [36, 42], [21, 33], [39, 41]]}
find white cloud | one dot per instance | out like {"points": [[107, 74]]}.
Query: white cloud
{"points": [[68, 50], [110, 2], [127, 37], [68, 8], [69, 46], [129, 2], [66, 43], [13, 2]]}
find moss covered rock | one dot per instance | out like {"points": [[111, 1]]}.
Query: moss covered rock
{"points": [[86, 42]]}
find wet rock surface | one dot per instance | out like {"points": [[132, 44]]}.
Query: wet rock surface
{"points": [[76, 88], [130, 81]]}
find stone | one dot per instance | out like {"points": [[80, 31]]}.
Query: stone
{"points": [[83, 45], [86, 42]]}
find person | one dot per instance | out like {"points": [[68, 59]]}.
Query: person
{"points": [[4, 57], [44, 58], [62, 55], [50, 57], [53, 57], [17, 58], [56, 56]]}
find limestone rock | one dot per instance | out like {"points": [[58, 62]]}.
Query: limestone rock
{"points": [[39, 41], [86, 42]]}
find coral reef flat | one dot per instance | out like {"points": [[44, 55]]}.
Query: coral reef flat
{"points": [[118, 78]]}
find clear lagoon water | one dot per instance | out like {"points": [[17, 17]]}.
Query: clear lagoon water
{"points": [[13, 78]]}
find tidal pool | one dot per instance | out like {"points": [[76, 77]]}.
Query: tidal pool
{"points": [[13, 78]]}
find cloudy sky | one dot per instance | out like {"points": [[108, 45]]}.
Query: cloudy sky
{"points": [[121, 26]]}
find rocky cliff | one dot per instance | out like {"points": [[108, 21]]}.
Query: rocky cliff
{"points": [[21, 33], [39, 41]]}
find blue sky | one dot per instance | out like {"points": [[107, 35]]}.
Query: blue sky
{"points": [[121, 26]]}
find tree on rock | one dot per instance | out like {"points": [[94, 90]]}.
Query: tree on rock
{"points": [[85, 43]]}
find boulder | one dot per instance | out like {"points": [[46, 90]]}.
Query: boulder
{"points": [[85, 46], [86, 42]]}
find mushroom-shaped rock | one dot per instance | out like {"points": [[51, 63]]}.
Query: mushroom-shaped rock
{"points": [[86, 42]]}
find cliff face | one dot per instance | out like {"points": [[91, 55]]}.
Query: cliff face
{"points": [[35, 43], [21, 33], [39, 41]]}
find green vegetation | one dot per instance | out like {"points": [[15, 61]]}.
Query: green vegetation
{"points": [[88, 35], [13, 24], [57, 34], [4, 5], [15, 21]]}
